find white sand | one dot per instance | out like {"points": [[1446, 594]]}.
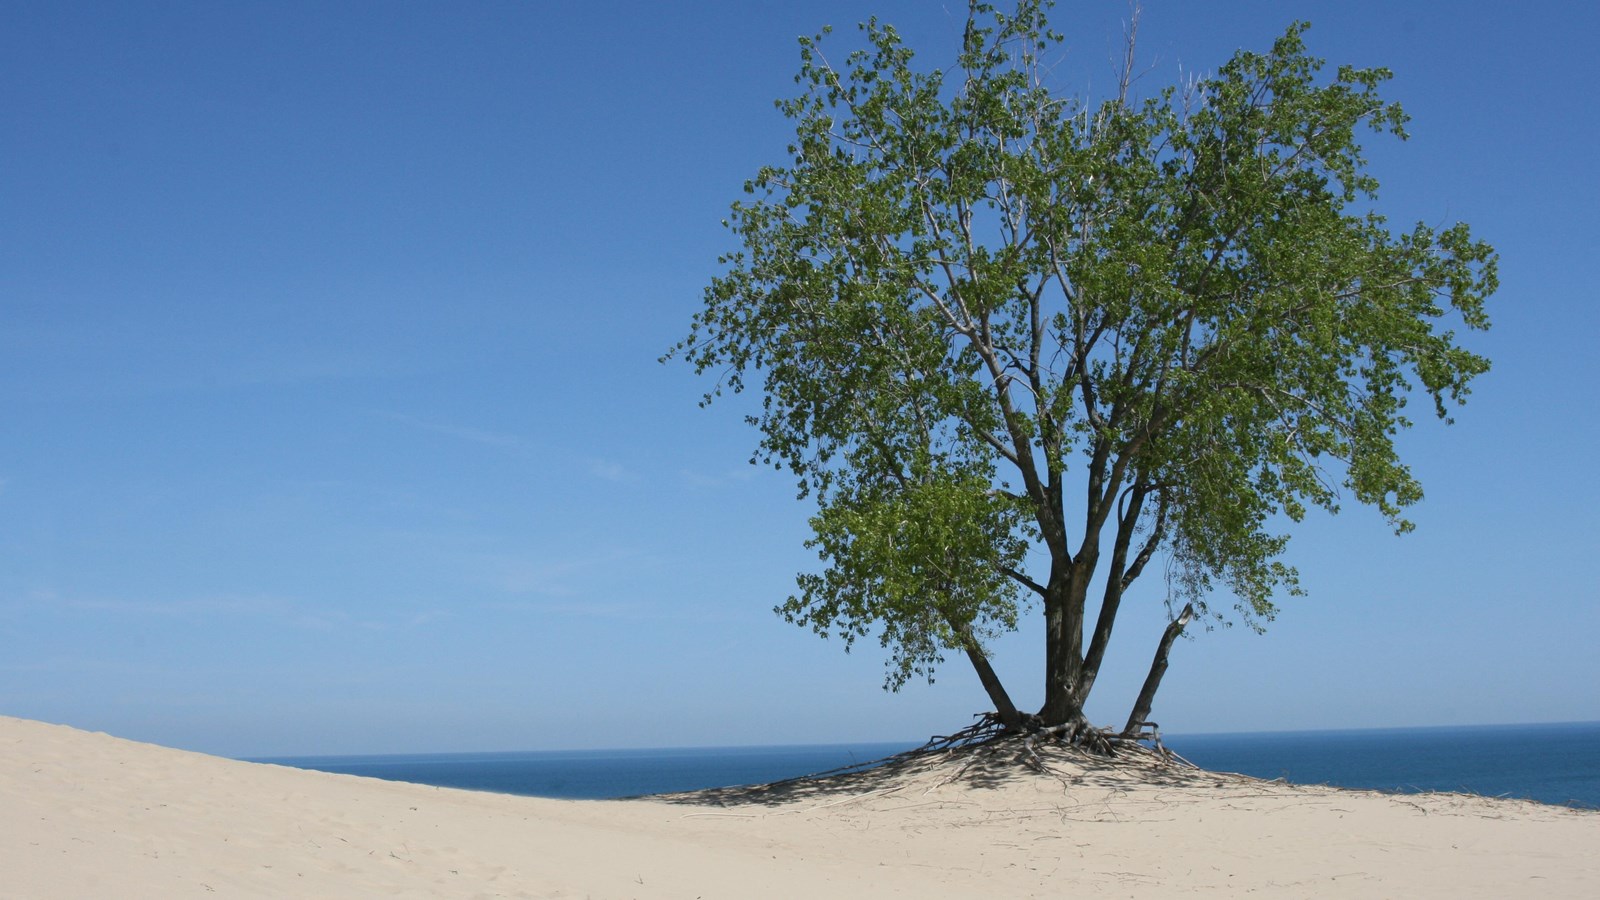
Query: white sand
{"points": [[90, 816]]}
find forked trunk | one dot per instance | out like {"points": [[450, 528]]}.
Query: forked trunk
{"points": [[991, 682], [997, 691], [1158, 667]]}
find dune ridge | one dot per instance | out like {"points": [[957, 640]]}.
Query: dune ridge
{"points": [[87, 815]]}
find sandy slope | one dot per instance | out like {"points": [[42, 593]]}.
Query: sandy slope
{"points": [[90, 816]]}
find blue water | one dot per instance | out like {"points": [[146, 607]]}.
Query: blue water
{"points": [[1557, 764], [597, 774]]}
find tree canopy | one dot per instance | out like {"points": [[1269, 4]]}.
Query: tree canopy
{"points": [[1019, 343]]}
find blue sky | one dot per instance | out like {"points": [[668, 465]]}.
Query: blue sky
{"points": [[328, 340]]}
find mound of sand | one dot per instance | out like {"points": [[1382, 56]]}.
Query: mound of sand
{"points": [[91, 816]]}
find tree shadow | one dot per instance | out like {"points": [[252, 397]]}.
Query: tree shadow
{"points": [[985, 766]]}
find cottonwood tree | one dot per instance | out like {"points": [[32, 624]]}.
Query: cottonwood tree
{"points": [[1020, 345]]}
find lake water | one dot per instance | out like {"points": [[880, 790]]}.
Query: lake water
{"points": [[594, 774], [1551, 763]]}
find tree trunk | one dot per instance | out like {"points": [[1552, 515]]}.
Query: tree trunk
{"points": [[991, 683], [1158, 668], [1102, 635], [1117, 581], [1063, 697], [1057, 706]]}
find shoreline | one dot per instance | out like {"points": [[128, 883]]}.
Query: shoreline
{"points": [[93, 815], [1528, 761]]}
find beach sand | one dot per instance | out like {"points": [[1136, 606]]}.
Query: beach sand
{"points": [[92, 816]]}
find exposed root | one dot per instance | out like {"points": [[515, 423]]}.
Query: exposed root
{"points": [[1078, 734], [987, 748]]}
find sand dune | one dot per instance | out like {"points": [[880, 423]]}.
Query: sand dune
{"points": [[91, 816]]}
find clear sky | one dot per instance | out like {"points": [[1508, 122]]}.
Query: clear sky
{"points": [[333, 421]]}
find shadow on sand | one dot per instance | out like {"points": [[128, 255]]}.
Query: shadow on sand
{"points": [[989, 765]]}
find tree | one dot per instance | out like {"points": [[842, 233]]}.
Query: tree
{"points": [[1019, 344]]}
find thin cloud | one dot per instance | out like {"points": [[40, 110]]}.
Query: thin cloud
{"points": [[730, 476], [547, 578], [295, 371], [606, 470], [466, 433], [631, 612], [294, 613], [573, 576], [174, 608]]}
